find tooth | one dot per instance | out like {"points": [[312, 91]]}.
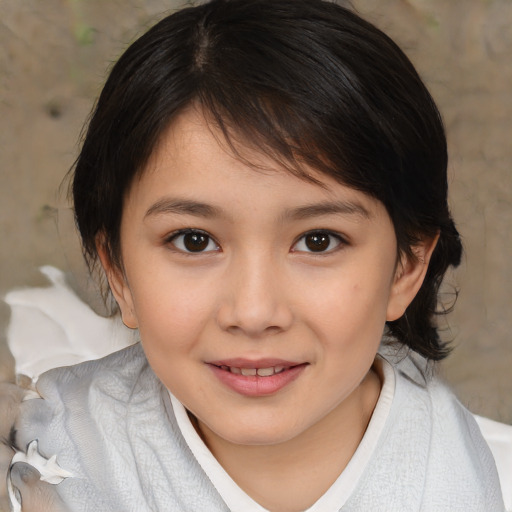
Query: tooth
{"points": [[235, 370], [265, 372], [223, 367], [278, 369], [248, 371]]}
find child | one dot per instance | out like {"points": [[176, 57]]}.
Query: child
{"points": [[264, 184]]}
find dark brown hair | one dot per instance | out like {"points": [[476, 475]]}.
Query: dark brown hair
{"points": [[309, 83]]}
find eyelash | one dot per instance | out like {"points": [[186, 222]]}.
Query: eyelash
{"points": [[340, 242], [171, 239], [208, 239]]}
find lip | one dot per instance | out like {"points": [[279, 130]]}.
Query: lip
{"points": [[267, 362], [256, 385]]}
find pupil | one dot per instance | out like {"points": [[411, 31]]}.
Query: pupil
{"points": [[195, 242], [317, 242]]}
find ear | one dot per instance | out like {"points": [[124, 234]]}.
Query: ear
{"points": [[409, 276], [119, 286]]}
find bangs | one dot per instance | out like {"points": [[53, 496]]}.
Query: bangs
{"points": [[268, 126]]}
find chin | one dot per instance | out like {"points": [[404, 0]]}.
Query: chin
{"points": [[256, 435]]}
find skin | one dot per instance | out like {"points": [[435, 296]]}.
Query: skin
{"points": [[258, 291], [36, 495]]}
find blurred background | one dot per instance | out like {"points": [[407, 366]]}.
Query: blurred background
{"points": [[54, 56]]}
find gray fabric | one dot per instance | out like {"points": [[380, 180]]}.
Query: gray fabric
{"points": [[431, 456], [111, 424]]}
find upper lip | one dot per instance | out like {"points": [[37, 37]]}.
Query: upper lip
{"points": [[239, 362]]}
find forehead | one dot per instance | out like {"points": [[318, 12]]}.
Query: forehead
{"points": [[193, 159]]}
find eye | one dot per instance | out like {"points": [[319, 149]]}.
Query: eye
{"points": [[193, 241], [318, 241]]}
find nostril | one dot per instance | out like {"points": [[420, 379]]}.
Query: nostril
{"points": [[254, 331], [273, 329]]}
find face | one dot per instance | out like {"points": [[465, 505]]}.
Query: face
{"points": [[260, 298]]}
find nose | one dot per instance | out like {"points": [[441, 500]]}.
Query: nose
{"points": [[255, 299]]}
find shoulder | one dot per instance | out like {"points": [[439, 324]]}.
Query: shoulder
{"points": [[459, 469], [115, 371], [461, 463], [109, 424], [431, 455], [83, 392], [79, 427]]}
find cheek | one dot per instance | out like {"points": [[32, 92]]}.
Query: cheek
{"points": [[349, 301], [171, 312], [171, 325]]}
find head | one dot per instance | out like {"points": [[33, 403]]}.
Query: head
{"points": [[307, 83]]}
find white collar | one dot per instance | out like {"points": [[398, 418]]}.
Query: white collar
{"points": [[339, 492]]}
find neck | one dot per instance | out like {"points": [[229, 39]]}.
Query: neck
{"points": [[291, 476]]}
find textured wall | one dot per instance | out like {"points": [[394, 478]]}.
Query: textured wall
{"points": [[53, 57]]}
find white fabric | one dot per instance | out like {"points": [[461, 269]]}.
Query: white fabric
{"points": [[55, 318], [336, 496], [499, 438]]}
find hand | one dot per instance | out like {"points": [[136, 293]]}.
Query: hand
{"points": [[34, 494]]}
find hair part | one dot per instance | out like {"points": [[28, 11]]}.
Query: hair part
{"points": [[307, 82]]}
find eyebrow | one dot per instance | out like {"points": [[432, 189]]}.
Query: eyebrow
{"points": [[183, 206], [330, 208], [198, 209]]}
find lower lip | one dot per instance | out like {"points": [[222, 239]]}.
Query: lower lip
{"points": [[254, 385]]}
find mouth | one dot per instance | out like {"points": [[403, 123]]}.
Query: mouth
{"points": [[256, 378], [250, 372]]}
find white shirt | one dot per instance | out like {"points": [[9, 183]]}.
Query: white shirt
{"points": [[339, 492]]}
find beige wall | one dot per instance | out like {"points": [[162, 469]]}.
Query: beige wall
{"points": [[53, 56]]}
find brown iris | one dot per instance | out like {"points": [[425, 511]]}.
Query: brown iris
{"points": [[195, 242], [317, 242]]}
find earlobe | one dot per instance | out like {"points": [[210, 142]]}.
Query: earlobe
{"points": [[119, 286], [409, 276]]}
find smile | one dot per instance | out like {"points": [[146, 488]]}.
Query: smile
{"points": [[256, 378], [248, 372]]}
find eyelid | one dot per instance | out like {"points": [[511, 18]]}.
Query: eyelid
{"points": [[342, 242], [169, 239]]}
